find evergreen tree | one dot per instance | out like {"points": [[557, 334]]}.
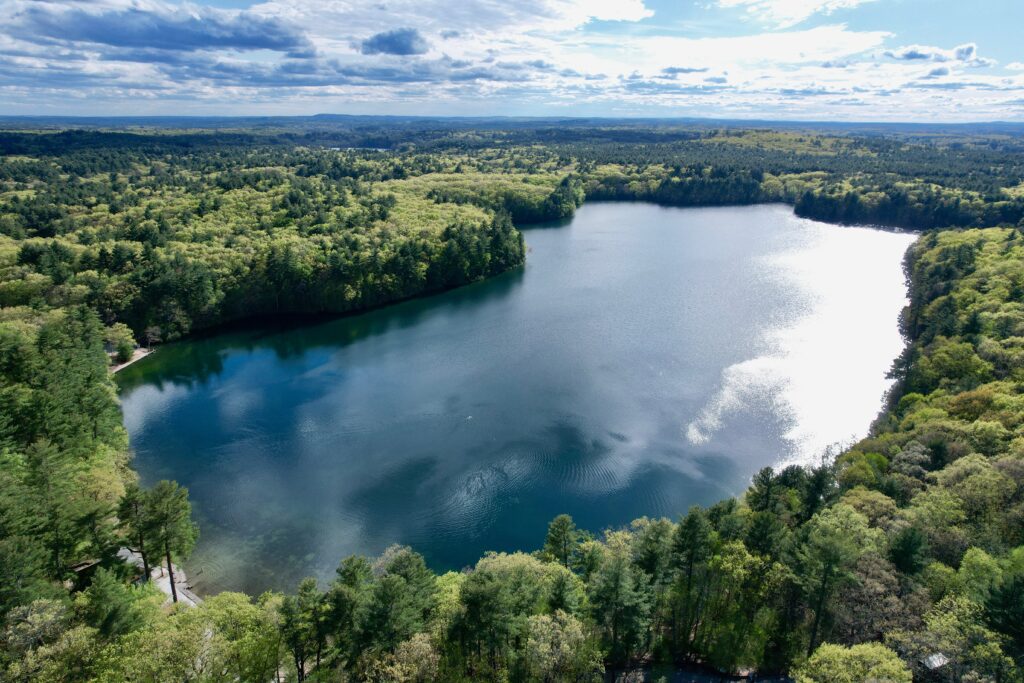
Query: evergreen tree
{"points": [[110, 606], [620, 606], [692, 545], [169, 526], [133, 518], [303, 619], [563, 540]]}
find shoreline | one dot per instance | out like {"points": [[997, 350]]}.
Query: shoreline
{"points": [[159, 577], [241, 322], [137, 355]]}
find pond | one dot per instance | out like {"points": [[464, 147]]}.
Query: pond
{"points": [[644, 360]]}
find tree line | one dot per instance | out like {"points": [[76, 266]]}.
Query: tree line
{"points": [[908, 545]]}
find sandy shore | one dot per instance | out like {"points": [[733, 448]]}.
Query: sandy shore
{"points": [[137, 355]]}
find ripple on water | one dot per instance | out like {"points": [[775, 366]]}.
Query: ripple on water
{"points": [[464, 422]]}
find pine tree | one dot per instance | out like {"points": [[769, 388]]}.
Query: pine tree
{"points": [[133, 517], [562, 540], [169, 525], [619, 605]]}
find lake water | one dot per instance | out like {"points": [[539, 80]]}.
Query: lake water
{"points": [[646, 359]]}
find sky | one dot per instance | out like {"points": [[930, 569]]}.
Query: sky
{"points": [[835, 60]]}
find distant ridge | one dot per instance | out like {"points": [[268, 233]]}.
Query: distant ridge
{"points": [[494, 122]]}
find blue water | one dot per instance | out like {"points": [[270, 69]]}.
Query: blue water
{"points": [[645, 359]]}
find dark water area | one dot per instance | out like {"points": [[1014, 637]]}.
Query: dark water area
{"points": [[645, 359]]}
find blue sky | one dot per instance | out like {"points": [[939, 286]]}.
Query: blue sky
{"points": [[858, 60]]}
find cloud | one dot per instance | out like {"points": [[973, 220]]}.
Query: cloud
{"points": [[541, 65], [157, 27], [953, 85], [805, 92], [938, 72], [673, 71], [400, 41], [788, 13], [473, 20], [774, 50], [322, 73], [614, 10], [914, 53], [966, 54], [480, 56], [583, 11]]}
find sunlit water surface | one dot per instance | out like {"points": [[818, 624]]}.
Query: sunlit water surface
{"points": [[645, 359]]}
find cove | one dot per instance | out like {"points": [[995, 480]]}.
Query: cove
{"points": [[646, 359]]}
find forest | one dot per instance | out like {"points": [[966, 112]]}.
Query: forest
{"points": [[900, 558]]}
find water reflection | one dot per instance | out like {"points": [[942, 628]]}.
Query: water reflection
{"points": [[646, 359], [197, 359]]}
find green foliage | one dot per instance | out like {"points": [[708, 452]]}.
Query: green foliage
{"points": [[866, 662], [908, 550], [111, 607], [228, 637], [1005, 604], [563, 540], [620, 606], [835, 540], [302, 626], [400, 601], [909, 538], [120, 338], [62, 447], [955, 627], [559, 649], [169, 528], [169, 245], [134, 520]]}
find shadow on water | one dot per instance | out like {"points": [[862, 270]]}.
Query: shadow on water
{"points": [[547, 225], [193, 361], [493, 486], [465, 421]]}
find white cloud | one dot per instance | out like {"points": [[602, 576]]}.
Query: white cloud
{"points": [[651, 54], [966, 54], [937, 72], [582, 11], [468, 17], [483, 57], [787, 13]]}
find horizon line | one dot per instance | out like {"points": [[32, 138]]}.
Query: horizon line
{"points": [[508, 117]]}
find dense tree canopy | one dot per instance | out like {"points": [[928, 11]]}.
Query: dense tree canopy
{"points": [[907, 545]]}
